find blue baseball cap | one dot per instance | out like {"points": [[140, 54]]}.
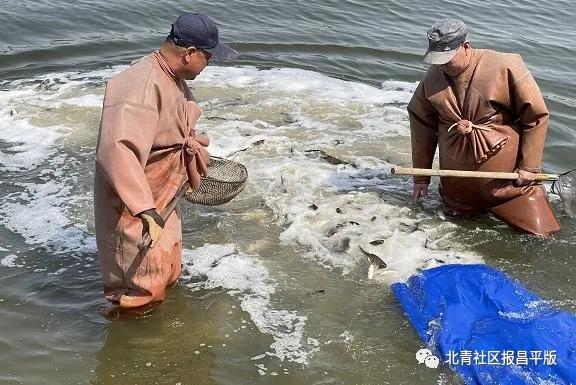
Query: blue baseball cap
{"points": [[196, 30]]}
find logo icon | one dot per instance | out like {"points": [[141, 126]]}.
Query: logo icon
{"points": [[425, 356]]}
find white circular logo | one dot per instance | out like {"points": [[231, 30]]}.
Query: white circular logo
{"points": [[432, 362], [422, 354], [425, 356]]}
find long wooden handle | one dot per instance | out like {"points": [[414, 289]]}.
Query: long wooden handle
{"points": [[146, 240], [467, 174]]}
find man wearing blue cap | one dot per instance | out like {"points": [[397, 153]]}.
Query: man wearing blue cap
{"points": [[147, 149], [484, 112]]}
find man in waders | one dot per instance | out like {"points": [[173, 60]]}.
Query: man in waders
{"points": [[484, 112], [147, 149]]}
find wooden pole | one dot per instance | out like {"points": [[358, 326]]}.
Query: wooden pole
{"points": [[466, 174]]}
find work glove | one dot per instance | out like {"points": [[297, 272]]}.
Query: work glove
{"points": [[153, 224]]}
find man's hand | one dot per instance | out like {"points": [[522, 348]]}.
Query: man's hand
{"points": [[153, 224], [203, 139], [420, 191], [525, 177]]}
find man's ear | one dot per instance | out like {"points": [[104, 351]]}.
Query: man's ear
{"points": [[467, 45], [188, 53]]}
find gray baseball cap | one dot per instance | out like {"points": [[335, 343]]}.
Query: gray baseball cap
{"points": [[444, 38]]}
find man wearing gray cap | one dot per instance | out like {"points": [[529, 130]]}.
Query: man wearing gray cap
{"points": [[484, 112], [147, 149]]}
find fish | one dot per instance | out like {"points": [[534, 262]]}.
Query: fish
{"points": [[376, 263], [324, 156], [251, 146]]}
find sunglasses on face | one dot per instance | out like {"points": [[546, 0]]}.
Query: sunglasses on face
{"points": [[206, 54]]}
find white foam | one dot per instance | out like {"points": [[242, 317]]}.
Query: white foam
{"points": [[312, 100], [295, 83], [31, 145], [10, 261], [399, 86], [223, 266], [348, 337], [90, 100], [533, 310], [39, 212], [57, 79], [39, 215], [530, 377], [59, 271], [98, 75], [344, 223]]}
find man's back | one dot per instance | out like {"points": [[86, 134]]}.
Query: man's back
{"points": [[135, 84]]}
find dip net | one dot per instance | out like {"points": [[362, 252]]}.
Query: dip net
{"points": [[225, 180], [565, 187]]}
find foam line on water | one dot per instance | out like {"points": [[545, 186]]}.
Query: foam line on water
{"points": [[38, 211], [10, 261], [28, 146], [295, 81], [222, 266], [39, 215]]}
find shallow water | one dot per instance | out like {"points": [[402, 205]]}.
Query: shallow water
{"points": [[274, 287]]}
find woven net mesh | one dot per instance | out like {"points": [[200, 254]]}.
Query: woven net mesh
{"points": [[565, 186], [225, 180]]}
